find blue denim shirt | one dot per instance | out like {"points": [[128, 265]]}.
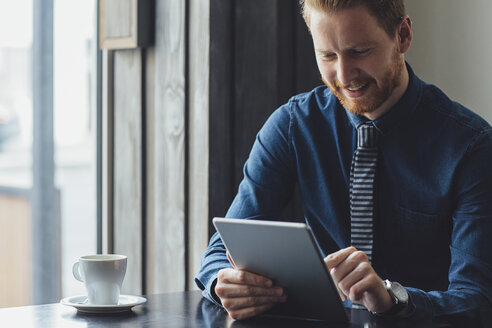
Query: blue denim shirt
{"points": [[433, 220]]}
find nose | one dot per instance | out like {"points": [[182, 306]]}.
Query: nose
{"points": [[346, 70]]}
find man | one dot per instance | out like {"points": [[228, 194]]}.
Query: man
{"points": [[393, 175]]}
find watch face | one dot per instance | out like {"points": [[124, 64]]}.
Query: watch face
{"points": [[400, 292]]}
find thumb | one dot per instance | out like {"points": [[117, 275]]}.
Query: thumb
{"points": [[230, 259]]}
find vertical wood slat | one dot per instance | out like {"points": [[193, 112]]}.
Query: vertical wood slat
{"points": [[108, 159], [128, 164], [168, 149], [284, 53], [108, 152], [150, 167], [198, 131], [221, 100]]}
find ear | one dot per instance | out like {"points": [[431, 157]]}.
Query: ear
{"points": [[405, 34]]}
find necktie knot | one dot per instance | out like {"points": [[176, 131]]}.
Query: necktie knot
{"points": [[367, 136]]}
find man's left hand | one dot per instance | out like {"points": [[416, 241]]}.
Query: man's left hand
{"points": [[357, 280]]}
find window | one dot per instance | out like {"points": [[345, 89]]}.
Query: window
{"points": [[28, 269]]}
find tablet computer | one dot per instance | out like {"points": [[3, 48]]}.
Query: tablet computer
{"points": [[288, 254]]}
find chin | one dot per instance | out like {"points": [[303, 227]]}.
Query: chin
{"points": [[360, 111], [359, 107]]}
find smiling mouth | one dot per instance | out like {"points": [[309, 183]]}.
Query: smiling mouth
{"points": [[357, 87]]}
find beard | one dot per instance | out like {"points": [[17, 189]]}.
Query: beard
{"points": [[374, 98]]}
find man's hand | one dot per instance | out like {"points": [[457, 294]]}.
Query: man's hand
{"points": [[244, 294], [357, 280]]}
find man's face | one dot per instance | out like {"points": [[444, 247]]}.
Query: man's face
{"points": [[357, 59]]}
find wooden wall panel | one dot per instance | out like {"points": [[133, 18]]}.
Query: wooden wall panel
{"points": [[261, 55], [169, 149], [186, 113], [198, 131], [128, 164]]}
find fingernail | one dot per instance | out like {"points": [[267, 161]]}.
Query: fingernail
{"points": [[267, 283]]}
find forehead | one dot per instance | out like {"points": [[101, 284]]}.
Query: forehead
{"points": [[345, 28]]}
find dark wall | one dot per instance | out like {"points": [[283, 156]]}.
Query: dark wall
{"points": [[261, 54]]}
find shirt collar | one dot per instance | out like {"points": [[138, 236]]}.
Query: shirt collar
{"points": [[399, 111]]}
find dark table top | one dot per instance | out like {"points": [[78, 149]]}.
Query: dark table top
{"points": [[176, 310]]}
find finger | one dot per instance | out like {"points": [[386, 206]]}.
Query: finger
{"points": [[249, 312], [226, 289], [348, 265], [344, 267], [336, 258], [233, 290], [247, 302], [367, 291], [230, 259], [340, 292], [244, 278], [357, 274]]}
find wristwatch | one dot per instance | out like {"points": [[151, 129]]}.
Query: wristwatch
{"points": [[399, 296]]}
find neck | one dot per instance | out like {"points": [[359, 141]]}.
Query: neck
{"points": [[393, 99]]}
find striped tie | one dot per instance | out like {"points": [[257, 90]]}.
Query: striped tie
{"points": [[362, 176]]}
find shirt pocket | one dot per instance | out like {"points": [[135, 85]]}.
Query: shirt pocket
{"points": [[422, 236], [411, 217]]}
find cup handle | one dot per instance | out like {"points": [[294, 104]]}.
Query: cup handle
{"points": [[76, 272]]}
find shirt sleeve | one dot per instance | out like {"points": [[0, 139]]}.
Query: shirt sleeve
{"points": [[469, 294], [267, 185]]}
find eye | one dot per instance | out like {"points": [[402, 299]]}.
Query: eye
{"points": [[329, 56], [361, 52]]}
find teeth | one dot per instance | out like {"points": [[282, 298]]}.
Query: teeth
{"points": [[357, 88]]}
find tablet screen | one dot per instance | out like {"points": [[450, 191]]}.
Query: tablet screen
{"points": [[288, 254]]}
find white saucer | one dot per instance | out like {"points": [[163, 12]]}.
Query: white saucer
{"points": [[125, 303]]}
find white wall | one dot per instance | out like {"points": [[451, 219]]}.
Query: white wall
{"points": [[452, 48]]}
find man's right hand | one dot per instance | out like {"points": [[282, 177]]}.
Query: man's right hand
{"points": [[244, 294]]}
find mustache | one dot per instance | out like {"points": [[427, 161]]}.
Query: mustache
{"points": [[355, 84]]}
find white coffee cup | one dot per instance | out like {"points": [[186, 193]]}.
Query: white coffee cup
{"points": [[102, 275]]}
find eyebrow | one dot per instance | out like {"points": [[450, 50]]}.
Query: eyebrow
{"points": [[367, 44]]}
